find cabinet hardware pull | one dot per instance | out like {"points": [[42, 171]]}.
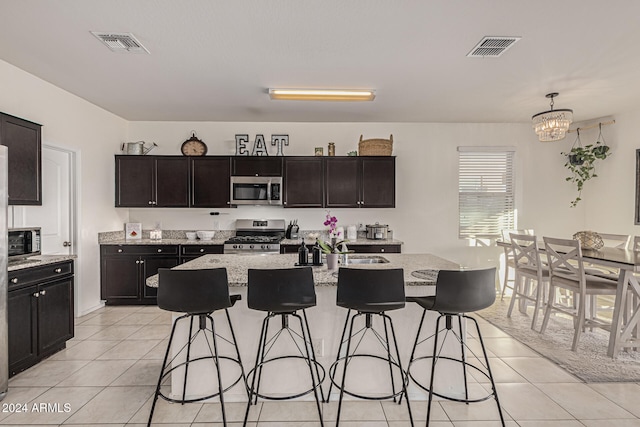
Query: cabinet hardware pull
{"points": [[137, 261], [150, 202], [119, 250], [201, 250], [43, 292], [159, 250], [37, 295], [14, 280], [142, 261], [58, 270]]}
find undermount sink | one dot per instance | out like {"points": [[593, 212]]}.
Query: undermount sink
{"points": [[367, 260]]}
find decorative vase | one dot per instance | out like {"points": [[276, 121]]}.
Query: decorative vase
{"points": [[332, 261]]}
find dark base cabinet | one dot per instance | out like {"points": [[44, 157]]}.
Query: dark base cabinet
{"points": [[124, 270], [40, 313], [358, 249], [191, 252]]}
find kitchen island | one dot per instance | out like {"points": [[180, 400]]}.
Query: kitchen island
{"points": [[326, 321]]}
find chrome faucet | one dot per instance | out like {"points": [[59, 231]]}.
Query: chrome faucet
{"points": [[345, 258]]}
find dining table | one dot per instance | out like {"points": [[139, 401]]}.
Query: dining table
{"points": [[624, 326]]}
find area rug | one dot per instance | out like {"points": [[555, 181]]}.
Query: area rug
{"points": [[590, 362]]}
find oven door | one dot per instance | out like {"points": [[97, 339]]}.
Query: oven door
{"points": [[250, 190]]}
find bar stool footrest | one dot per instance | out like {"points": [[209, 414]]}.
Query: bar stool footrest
{"points": [[293, 396]]}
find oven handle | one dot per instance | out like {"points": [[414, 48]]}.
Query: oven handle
{"points": [[269, 192]]}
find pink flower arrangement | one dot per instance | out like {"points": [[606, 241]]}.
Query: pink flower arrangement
{"points": [[331, 222]]}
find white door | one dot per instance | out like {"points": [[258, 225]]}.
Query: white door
{"points": [[54, 216]]}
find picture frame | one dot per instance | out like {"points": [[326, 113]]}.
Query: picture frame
{"points": [[133, 231]]}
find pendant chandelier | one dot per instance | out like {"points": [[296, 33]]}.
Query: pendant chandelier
{"points": [[552, 125]]}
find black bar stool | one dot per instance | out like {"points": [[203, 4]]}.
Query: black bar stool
{"points": [[282, 293], [457, 292], [369, 293], [198, 293]]}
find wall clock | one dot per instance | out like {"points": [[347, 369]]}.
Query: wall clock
{"points": [[193, 147]]}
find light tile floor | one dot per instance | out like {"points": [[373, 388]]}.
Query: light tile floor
{"points": [[106, 376]]}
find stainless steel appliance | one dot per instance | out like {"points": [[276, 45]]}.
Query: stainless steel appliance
{"points": [[23, 242], [377, 231], [4, 333], [256, 190], [256, 236]]}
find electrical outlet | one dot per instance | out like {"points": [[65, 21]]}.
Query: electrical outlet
{"points": [[318, 347]]}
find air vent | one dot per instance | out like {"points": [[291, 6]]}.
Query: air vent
{"points": [[492, 46], [121, 42]]}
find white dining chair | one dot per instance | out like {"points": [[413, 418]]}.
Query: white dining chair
{"points": [[566, 271], [529, 268], [509, 263]]}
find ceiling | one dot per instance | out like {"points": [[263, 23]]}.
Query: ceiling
{"points": [[214, 60]]}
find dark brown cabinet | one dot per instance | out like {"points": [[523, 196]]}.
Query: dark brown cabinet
{"points": [[152, 181], [365, 182], [256, 166], [24, 142], [358, 249], [303, 182], [210, 182], [40, 313], [124, 270], [191, 252]]}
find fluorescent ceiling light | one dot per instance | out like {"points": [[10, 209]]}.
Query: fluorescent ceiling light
{"points": [[322, 95]]}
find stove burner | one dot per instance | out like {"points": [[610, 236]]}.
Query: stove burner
{"points": [[254, 239]]}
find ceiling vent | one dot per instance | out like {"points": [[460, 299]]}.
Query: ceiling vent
{"points": [[121, 42], [492, 47]]}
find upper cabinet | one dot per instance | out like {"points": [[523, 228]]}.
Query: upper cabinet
{"points": [[152, 181], [303, 182], [360, 182], [256, 166], [24, 142], [210, 182]]}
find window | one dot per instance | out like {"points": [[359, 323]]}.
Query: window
{"points": [[485, 191]]}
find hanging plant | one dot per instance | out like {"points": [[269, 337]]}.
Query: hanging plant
{"points": [[581, 162]]}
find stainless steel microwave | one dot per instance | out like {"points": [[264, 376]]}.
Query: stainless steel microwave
{"points": [[256, 190], [23, 242]]}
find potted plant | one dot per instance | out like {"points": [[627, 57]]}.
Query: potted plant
{"points": [[581, 162], [333, 247]]}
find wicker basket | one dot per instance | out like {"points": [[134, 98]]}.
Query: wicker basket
{"points": [[375, 147], [589, 240]]}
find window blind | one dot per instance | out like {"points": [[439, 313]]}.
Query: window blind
{"points": [[486, 187]]}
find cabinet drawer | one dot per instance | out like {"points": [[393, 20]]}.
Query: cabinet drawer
{"points": [[45, 273], [191, 250], [139, 249], [375, 249]]}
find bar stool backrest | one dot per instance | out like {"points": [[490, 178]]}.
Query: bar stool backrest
{"points": [[275, 289], [620, 241], [564, 257], [465, 291], [636, 243], [526, 252], [358, 286], [193, 291]]}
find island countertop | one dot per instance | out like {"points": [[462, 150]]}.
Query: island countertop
{"points": [[419, 269]]}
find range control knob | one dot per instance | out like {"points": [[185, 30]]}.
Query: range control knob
{"points": [[235, 246], [250, 246]]}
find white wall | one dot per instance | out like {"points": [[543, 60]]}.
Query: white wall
{"points": [[94, 134]]}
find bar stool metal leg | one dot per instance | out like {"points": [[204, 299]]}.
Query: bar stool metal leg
{"points": [[342, 340]]}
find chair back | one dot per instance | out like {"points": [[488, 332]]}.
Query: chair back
{"points": [[620, 241], [636, 243], [465, 291], [506, 234], [564, 257], [526, 253], [361, 287], [281, 290], [193, 291]]}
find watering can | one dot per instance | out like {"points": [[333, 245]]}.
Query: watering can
{"points": [[137, 148]]}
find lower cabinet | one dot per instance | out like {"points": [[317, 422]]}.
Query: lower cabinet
{"points": [[358, 249], [191, 252], [124, 270], [40, 313]]}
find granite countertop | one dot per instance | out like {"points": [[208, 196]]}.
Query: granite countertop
{"points": [[37, 261], [237, 266], [358, 241]]}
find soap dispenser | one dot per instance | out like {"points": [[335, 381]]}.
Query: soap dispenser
{"points": [[303, 254]]}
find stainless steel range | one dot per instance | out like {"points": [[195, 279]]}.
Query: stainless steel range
{"points": [[256, 236]]}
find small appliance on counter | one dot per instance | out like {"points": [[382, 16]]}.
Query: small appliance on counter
{"points": [[23, 242], [292, 230], [377, 231]]}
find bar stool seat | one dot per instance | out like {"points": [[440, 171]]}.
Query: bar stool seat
{"points": [[369, 292], [198, 293], [283, 293], [457, 293]]}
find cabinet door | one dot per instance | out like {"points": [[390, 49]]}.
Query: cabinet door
{"points": [[171, 182], [23, 139], [22, 328], [120, 278], [55, 314], [134, 181], [257, 166], [378, 182], [303, 182], [210, 183], [376, 249], [149, 267], [342, 182]]}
